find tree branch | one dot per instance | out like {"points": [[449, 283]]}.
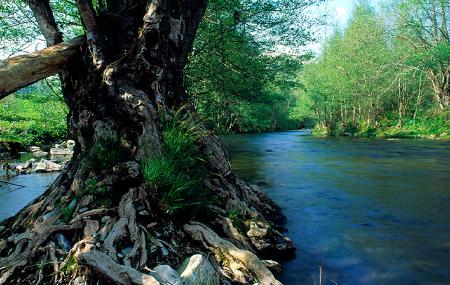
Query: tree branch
{"points": [[21, 71]]}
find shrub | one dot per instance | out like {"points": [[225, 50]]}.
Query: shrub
{"points": [[177, 174]]}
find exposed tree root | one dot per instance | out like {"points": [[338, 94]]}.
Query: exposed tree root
{"points": [[121, 274], [236, 259]]}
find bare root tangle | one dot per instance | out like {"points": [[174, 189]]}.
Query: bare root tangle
{"points": [[120, 274], [233, 257]]}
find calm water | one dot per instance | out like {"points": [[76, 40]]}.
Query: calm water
{"points": [[369, 211], [28, 187]]}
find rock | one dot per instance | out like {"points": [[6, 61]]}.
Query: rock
{"points": [[47, 166], [40, 153], [144, 213], [166, 275], [86, 200], [129, 168], [82, 210], [257, 230], [61, 151], [25, 167], [268, 241], [34, 148], [70, 144], [72, 204], [63, 242], [164, 250], [105, 219], [126, 250], [197, 269], [273, 266], [79, 281], [2, 228]]}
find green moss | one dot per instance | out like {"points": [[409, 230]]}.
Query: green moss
{"points": [[104, 154], [71, 264]]}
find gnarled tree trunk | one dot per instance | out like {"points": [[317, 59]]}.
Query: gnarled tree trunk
{"points": [[126, 74]]}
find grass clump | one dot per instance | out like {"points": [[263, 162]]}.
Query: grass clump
{"points": [[178, 173], [71, 264]]}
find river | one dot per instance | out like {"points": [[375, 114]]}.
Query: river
{"points": [[370, 211]]}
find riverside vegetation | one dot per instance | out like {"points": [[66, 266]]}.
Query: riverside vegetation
{"points": [[386, 74]]}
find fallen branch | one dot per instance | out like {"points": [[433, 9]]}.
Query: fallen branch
{"points": [[23, 70]]}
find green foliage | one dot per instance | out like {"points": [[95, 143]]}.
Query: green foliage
{"points": [[66, 214], [35, 116], [237, 76], [99, 191], [71, 264], [177, 174], [235, 217], [105, 154]]}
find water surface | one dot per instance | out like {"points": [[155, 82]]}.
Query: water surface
{"points": [[369, 211], [17, 191]]}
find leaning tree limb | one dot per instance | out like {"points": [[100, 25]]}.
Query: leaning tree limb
{"points": [[20, 71]]}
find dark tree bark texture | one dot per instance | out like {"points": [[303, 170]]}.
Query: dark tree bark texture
{"points": [[117, 83]]}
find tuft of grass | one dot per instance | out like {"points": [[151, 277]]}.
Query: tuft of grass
{"points": [[71, 264], [235, 216], [177, 174]]}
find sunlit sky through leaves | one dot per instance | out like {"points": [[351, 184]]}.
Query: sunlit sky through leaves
{"points": [[339, 12]]}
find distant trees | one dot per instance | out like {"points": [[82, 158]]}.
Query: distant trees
{"points": [[379, 72]]}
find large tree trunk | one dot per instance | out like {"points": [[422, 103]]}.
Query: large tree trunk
{"points": [[128, 74]]}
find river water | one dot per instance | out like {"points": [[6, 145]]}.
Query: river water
{"points": [[369, 211]]}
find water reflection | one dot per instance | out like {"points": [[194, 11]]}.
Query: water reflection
{"points": [[371, 211]]}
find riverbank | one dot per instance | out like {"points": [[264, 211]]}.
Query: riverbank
{"points": [[435, 126], [31, 119]]}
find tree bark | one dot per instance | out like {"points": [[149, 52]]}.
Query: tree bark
{"points": [[121, 101]]}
